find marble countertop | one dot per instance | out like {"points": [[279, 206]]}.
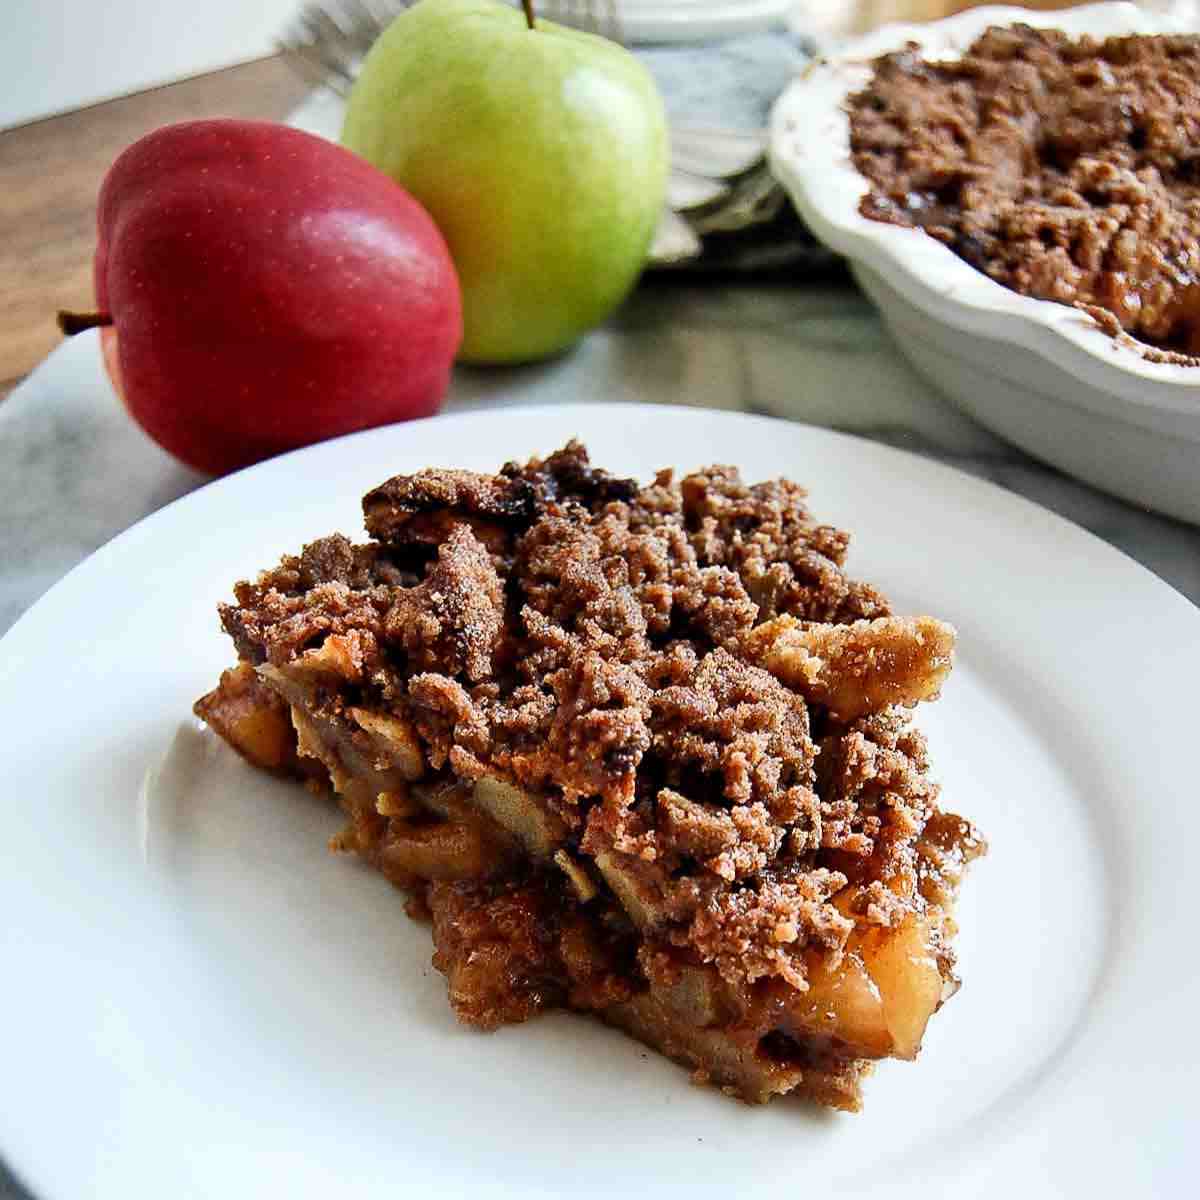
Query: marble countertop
{"points": [[75, 471]]}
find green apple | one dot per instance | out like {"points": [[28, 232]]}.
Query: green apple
{"points": [[541, 154]]}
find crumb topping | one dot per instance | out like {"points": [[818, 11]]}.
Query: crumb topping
{"points": [[452, 620], [1064, 169], [754, 933], [876, 796], [607, 649]]}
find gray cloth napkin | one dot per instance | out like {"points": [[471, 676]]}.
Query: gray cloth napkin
{"points": [[731, 83], [73, 472]]}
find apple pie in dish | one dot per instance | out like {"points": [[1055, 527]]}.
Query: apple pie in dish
{"points": [[639, 751]]}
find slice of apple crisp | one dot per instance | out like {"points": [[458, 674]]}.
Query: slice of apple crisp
{"points": [[643, 752]]}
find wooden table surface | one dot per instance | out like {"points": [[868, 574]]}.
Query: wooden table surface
{"points": [[50, 173]]}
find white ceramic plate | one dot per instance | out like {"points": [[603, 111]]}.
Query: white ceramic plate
{"points": [[1041, 374], [199, 1000]]}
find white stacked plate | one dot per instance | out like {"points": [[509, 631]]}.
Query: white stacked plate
{"points": [[676, 20], [1042, 375]]}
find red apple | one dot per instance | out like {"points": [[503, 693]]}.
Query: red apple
{"points": [[267, 289]]}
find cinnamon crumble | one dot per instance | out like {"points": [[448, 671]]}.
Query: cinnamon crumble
{"points": [[1066, 170], [641, 751]]}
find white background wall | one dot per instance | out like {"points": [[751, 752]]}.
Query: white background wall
{"points": [[61, 54]]}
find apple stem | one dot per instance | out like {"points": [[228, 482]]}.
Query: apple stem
{"points": [[72, 323], [527, 5]]}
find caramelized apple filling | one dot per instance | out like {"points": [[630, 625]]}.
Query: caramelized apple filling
{"points": [[639, 752]]}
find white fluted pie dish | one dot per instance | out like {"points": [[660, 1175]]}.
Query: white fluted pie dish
{"points": [[1041, 374]]}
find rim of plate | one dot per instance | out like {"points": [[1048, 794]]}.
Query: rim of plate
{"points": [[679, 21]]}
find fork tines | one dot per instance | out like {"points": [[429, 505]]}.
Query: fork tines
{"points": [[327, 40]]}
